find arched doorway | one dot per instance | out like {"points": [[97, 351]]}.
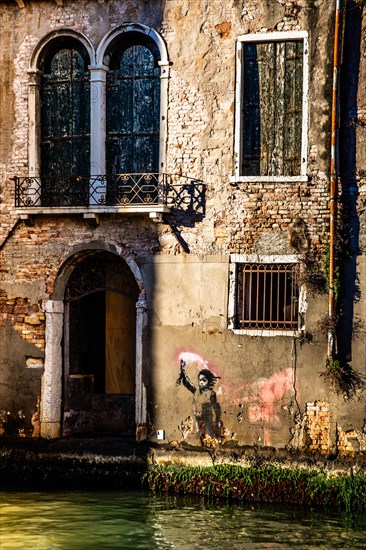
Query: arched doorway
{"points": [[100, 347]]}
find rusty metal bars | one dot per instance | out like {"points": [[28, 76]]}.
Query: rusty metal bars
{"points": [[267, 296]]}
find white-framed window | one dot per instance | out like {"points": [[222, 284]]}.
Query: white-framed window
{"points": [[271, 107], [265, 297]]}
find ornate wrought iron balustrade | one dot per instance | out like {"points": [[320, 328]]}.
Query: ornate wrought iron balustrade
{"points": [[120, 189], [150, 189]]}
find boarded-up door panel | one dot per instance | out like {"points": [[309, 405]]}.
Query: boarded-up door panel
{"points": [[99, 375], [120, 344]]}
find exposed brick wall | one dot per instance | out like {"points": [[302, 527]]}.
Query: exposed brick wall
{"points": [[318, 432], [318, 426], [200, 111], [28, 320], [344, 444], [36, 253]]}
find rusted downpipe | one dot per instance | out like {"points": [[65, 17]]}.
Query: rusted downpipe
{"points": [[334, 176]]}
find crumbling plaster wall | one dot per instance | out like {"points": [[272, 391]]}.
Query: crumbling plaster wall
{"points": [[187, 294], [200, 107], [201, 123], [21, 368], [266, 386]]}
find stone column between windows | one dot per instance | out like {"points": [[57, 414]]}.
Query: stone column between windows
{"points": [[34, 140], [98, 77], [140, 392], [164, 81], [51, 392]]}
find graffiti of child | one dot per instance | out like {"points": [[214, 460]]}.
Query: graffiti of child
{"points": [[206, 409]]}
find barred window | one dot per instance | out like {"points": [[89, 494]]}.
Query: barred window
{"points": [[267, 296]]}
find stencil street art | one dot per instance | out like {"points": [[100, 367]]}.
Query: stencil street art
{"points": [[206, 409], [260, 402]]}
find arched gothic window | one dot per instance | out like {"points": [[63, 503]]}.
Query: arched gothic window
{"points": [[65, 124], [133, 106], [97, 120]]}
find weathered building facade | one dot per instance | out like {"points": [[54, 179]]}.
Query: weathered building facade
{"points": [[167, 221]]}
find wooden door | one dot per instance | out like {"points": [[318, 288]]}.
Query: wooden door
{"points": [[99, 389], [120, 344]]}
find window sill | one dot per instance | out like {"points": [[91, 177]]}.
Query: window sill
{"points": [[268, 179], [266, 332], [92, 212]]}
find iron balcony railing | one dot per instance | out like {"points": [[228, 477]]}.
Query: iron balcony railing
{"points": [[150, 189]]}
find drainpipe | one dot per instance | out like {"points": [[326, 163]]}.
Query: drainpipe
{"points": [[334, 176]]}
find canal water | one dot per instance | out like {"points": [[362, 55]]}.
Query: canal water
{"points": [[137, 520]]}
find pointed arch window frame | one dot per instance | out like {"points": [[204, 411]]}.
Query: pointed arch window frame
{"points": [[98, 73]]}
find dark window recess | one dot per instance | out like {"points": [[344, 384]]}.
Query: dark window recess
{"points": [[65, 129], [267, 296], [272, 108], [133, 109]]}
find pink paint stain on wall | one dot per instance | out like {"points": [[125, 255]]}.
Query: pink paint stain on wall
{"points": [[264, 398]]}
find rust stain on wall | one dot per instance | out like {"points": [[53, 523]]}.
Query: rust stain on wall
{"points": [[224, 29]]}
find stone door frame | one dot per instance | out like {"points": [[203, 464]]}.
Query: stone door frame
{"points": [[54, 308]]}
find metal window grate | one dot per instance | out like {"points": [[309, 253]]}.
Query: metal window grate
{"points": [[267, 296]]}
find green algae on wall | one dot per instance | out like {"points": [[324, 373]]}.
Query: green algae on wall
{"points": [[264, 484]]}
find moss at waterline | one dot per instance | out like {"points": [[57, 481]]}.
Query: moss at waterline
{"points": [[39, 469], [264, 484]]}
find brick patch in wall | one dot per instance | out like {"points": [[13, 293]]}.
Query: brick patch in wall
{"points": [[26, 319], [314, 432], [318, 426]]}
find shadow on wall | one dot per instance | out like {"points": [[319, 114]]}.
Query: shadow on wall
{"points": [[20, 384], [348, 243]]}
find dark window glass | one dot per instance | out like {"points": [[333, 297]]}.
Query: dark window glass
{"points": [[272, 108], [133, 109], [65, 129]]}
